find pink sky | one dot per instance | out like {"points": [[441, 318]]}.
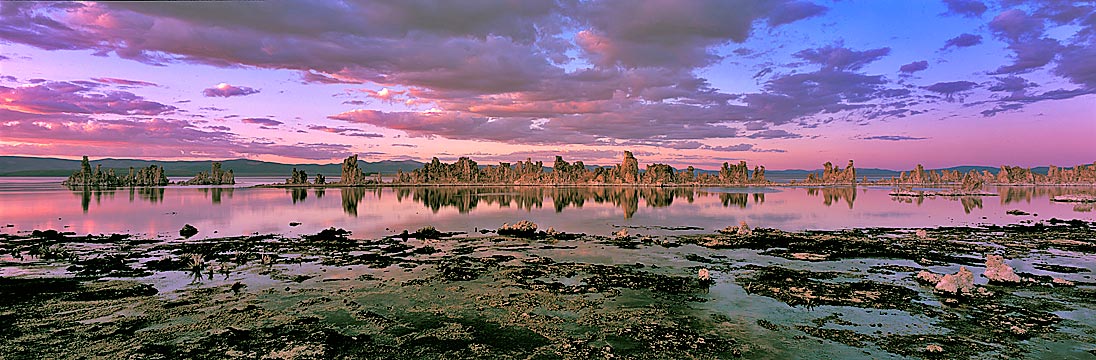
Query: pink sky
{"points": [[782, 83]]}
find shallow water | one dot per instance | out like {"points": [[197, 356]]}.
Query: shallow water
{"points": [[42, 203]]}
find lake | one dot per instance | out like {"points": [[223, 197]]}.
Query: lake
{"points": [[42, 203], [808, 295]]}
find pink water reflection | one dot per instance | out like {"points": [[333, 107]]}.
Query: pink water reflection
{"points": [[379, 212]]}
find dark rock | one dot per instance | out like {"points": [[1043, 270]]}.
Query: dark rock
{"points": [[188, 231]]}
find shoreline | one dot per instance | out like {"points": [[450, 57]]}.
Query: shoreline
{"points": [[838, 293]]}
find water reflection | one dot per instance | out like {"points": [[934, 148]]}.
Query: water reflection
{"points": [[217, 192], [86, 194], [466, 199], [351, 196], [970, 202], [568, 208], [833, 195], [1018, 194], [298, 194]]}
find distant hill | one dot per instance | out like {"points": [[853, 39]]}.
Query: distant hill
{"points": [[34, 166]]}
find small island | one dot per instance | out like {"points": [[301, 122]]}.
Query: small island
{"points": [[153, 175]]}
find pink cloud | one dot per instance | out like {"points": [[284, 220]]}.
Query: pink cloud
{"points": [[123, 82], [226, 90], [50, 97]]}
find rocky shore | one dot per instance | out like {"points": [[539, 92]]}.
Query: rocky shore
{"points": [[466, 172], [531, 291]]}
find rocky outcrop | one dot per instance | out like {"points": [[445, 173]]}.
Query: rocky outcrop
{"points": [[216, 176], [658, 174], [320, 179], [959, 283], [972, 182], [629, 168], [733, 174], [86, 177], [758, 175], [467, 171], [524, 228], [1084, 174], [298, 177], [351, 174], [998, 271], [832, 175]]}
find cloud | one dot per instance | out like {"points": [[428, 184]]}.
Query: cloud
{"points": [[344, 131], [1012, 84], [675, 34], [406, 145], [914, 67], [1076, 64], [968, 8], [1030, 55], [162, 138], [836, 57], [226, 90], [951, 88], [261, 121], [1015, 25], [794, 11], [773, 134], [739, 147], [892, 138], [45, 97], [386, 95], [124, 82], [963, 40]]}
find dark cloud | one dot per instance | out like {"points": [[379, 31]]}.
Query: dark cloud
{"points": [[1030, 55], [739, 147], [892, 138], [364, 134], [914, 67], [951, 88], [406, 145], [792, 97], [1002, 108], [77, 98], [963, 40], [1076, 64], [773, 134], [794, 11], [226, 90], [969, 8], [1015, 25], [835, 57], [261, 121], [675, 34], [1012, 84]]}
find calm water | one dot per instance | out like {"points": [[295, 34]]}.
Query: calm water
{"points": [[41, 203]]}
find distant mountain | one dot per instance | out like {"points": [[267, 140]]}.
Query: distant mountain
{"points": [[34, 166]]}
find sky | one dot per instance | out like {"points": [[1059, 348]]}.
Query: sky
{"points": [[788, 84]]}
